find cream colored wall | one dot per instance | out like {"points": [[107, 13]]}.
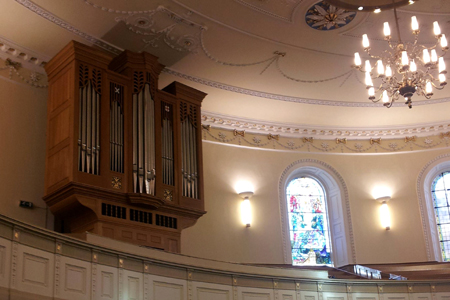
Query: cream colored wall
{"points": [[22, 150], [220, 235]]}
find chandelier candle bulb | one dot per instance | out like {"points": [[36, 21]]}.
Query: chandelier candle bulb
{"points": [[429, 88], [442, 79], [414, 24], [380, 68], [371, 93], [405, 59], [434, 57], [368, 66], [436, 28], [444, 43], [385, 97], [388, 71], [413, 66], [369, 82], [365, 41], [426, 56], [357, 59], [386, 29], [442, 66]]}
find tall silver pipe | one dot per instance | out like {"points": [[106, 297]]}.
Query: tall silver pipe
{"points": [[194, 155], [135, 145], [141, 146], [88, 129], [80, 120]]}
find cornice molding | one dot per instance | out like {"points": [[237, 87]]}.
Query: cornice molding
{"points": [[28, 58], [226, 122]]}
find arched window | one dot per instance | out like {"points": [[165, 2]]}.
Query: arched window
{"points": [[327, 185], [308, 222], [440, 189], [433, 184]]}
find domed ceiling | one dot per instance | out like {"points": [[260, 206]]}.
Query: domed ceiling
{"points": [[268, 61]]}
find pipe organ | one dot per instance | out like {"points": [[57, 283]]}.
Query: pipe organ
{"points": [[124, 159]]}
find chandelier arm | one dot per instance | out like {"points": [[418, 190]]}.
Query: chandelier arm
{"points": [[437, 87]]}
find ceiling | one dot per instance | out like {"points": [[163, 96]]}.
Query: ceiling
{"points": [[256, 59]]}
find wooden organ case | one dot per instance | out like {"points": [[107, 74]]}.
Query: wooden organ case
{"points": [[124, 159]]}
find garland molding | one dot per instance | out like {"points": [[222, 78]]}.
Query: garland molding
{"points": [[325, 144]]}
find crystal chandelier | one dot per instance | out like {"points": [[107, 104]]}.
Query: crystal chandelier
{"points": [[405, 68]]}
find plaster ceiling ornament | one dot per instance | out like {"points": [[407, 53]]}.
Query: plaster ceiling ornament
{"points": [[323, 16], [163, 25]]}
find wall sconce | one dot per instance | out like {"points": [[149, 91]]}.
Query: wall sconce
{"points": [[385, 215], [246, 209]]}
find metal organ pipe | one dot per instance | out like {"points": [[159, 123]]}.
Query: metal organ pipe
{"points": [[144, 157], [167, 143], [116, 127], [89, 125]]}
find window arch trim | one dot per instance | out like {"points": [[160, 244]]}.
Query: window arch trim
{"points": [[335, 189], [426, 176]]}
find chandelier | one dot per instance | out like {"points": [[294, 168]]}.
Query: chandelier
{"points": [[405, 68]]}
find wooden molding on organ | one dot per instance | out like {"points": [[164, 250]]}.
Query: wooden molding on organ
{"points": [[124, 159]]}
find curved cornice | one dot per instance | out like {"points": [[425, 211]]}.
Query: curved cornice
{"points": [[222, 121]]}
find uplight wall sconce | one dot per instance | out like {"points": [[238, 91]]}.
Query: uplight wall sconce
{"points": [[385, 215], [246, 208]]}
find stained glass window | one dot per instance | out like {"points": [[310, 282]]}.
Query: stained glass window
{"points": [[308, 222], [440, 189]]}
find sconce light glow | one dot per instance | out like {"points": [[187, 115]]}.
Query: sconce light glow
{"points": [[243, 186], [381, 191], [385, 216], [246, 212], [246, 208]]}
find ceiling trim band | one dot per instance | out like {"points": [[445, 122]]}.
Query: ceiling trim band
{"points": [[222, 121]]}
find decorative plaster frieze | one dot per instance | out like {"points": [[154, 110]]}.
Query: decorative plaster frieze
{"points": [[28, 58], [226, 122], [15, 69], [325, 144]]}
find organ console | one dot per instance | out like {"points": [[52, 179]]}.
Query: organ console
{"points": [[124, 159]]}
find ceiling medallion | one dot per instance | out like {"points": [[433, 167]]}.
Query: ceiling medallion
{"points": [[323, 16], [404, 69]]}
